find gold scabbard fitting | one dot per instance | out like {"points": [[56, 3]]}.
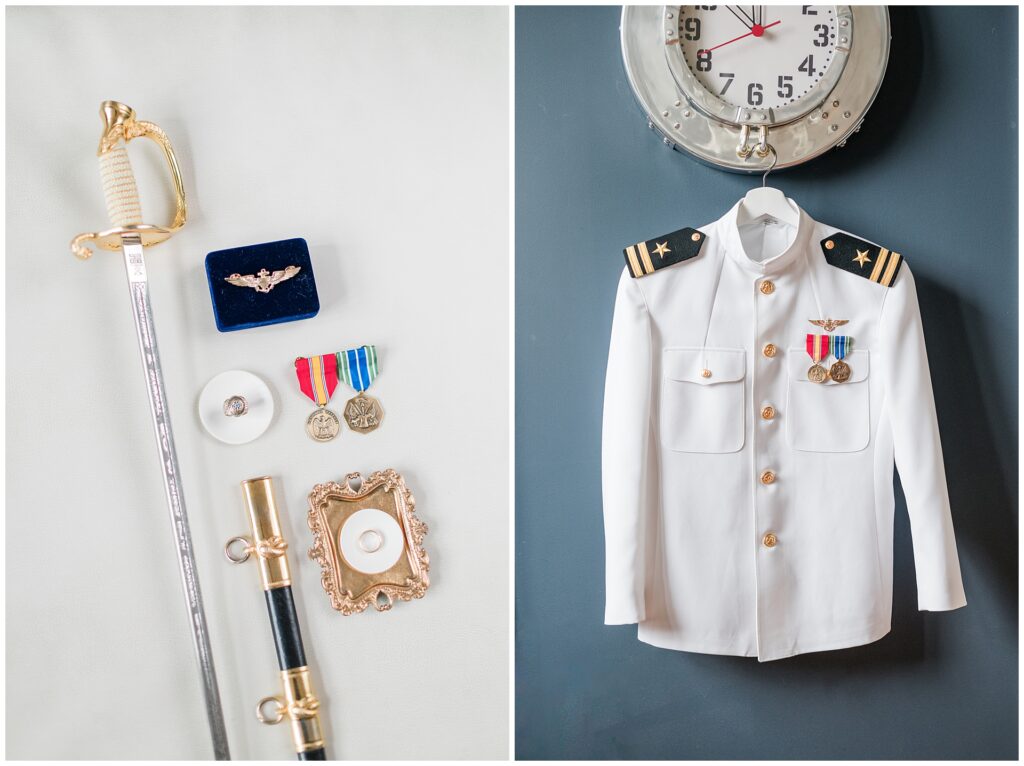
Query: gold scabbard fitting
{"points": [[266, 542], [121, 126], [299, 705]]}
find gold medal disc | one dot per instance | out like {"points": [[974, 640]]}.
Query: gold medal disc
{"points": [[323, 425], [840, 372], [817, 374], [363, 413]]}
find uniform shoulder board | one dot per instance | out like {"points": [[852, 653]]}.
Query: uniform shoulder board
{"points": [[645, 258], [863, 258]]}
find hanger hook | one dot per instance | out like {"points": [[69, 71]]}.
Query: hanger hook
{"points": [[775, 160]]}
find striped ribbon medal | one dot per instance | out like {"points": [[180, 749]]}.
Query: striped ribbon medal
{"points": [[358, 368], [817, 349], [840, 371], [318, 377]]}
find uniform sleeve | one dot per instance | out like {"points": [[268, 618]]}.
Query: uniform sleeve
{"points": [[915, 432], [624, 439]]}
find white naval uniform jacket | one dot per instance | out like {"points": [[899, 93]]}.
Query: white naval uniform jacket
{"points": [[704, 549]]}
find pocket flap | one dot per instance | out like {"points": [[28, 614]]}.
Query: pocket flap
{"points": [[688, 364], [800, 363]]}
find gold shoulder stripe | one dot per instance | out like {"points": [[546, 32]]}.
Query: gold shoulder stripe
{"points": [[890, 272], [645, 257], [876, 272]]}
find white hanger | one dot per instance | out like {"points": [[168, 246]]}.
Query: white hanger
{"points": [[763, 202]]}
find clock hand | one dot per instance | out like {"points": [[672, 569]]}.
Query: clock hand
{"points": [[757, 30]]}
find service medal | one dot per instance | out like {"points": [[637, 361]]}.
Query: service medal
{"points": [[817, 349], [358, 368], [840, 371], [318, 377]]}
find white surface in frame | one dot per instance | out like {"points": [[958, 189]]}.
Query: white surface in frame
{"points": [[381, 136]]}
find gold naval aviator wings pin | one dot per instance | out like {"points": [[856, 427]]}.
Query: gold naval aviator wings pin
{"points": [[828, 325], [263, 281]]}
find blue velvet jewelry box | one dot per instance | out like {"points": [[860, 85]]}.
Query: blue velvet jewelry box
{"points": [[257, 285]]}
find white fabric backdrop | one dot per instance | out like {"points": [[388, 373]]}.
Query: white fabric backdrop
{"points": [[379, 135]]}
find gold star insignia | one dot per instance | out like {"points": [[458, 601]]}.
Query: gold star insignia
{"points": [[662, 248], [862, 258]]}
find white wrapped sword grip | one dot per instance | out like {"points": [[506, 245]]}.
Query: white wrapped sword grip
{"points": [[119, 188]]}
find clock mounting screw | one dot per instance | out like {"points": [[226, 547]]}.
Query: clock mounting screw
{"points": [[824, 115], [687, 113], [844, 23], [846, 115], [835, 104], [844, 40], [677, 126], [678, 102], [833, 128]]}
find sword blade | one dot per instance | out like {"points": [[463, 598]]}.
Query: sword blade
{"points": [[138, 286]]}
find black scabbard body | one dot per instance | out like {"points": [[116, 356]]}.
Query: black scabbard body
{"points": [[298, 704]]}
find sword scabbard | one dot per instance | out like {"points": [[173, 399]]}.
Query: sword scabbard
{"points": [[298, 703]]}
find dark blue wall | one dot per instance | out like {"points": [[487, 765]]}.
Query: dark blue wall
{"points": [[933, 175]]}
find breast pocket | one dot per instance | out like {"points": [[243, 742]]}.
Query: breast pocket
{"points": [[829, 416], [702, 402]]}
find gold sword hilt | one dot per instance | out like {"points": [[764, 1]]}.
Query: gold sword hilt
{"points": [[119, 188]]}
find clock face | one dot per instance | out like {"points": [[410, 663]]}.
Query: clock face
{"points": [[758, 56]]}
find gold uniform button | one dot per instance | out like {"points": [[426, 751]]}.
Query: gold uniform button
{"points": [[695, 236], [768, 477], [770, 540], [767, 287], [829, 244], [767, 412], [769, 350], [705, 373]]}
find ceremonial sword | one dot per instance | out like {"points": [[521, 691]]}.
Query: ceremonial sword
{"points": [[130, 235]]}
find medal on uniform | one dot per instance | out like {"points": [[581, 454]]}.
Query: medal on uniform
{"points": [[817, 349], [358, 368], [840, 371], [318, 377]]}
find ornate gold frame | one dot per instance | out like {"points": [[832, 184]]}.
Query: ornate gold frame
{"points": [[349, 590]]}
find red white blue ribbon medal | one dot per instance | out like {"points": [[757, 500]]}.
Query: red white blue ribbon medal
{"points": [[817, 349], [840, 371], [318, 378], [358, 367]]}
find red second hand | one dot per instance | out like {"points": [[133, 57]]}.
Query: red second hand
{"points": [[757, 30]]}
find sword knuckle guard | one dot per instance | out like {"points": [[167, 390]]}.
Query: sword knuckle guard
{"points": [[119, 188]]}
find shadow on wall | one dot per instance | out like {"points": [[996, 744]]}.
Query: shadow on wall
{"points": [[899, 88]]}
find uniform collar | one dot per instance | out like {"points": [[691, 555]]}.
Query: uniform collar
{"points": [[777, 263]]}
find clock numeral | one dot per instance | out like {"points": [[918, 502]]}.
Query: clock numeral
{"points": [[703, 61], [754, 95], [785, 86], [729, 78], [808, 66], [692, 28], [808, 12], [822, 31]]}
